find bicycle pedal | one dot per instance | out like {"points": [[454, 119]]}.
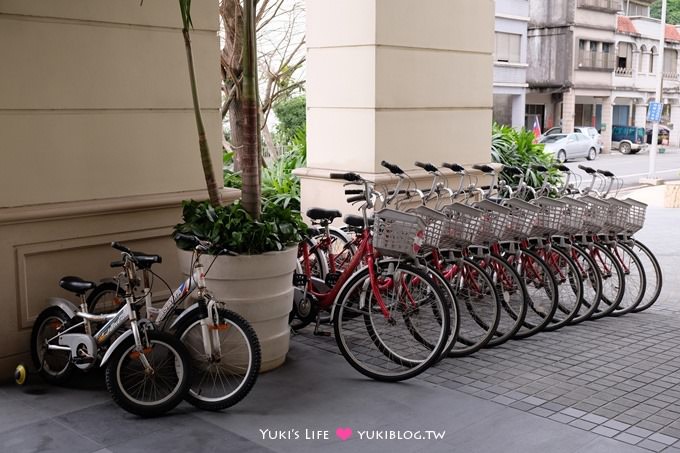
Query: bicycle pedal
{"points": [[332, 278], [321, 334], [299, 279]]}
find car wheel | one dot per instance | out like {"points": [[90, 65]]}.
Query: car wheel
{"points": [[592, 154], [561, 156], [625, 148]]}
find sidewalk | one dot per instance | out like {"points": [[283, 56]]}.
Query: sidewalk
{"points": [[611, 385]]}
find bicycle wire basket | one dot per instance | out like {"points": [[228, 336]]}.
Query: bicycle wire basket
{"points": [[495, 219], [435, 223], [522, 218], [596, 214], [461, 229], [617, 217], [397, 233], [549, 217], [636, 215], [573, 216]]}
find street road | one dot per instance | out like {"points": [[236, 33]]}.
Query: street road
{"points": [[632, 167]]}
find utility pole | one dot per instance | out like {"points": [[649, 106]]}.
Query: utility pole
{"points": [[654, 148]]}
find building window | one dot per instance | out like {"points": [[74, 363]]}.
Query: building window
{"points": [[595, 55], [624, 59], [670, 63], [652, 53], [508, 47], [636, 9]]}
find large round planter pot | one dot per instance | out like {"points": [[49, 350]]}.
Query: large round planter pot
{"points": [[259, 288]]}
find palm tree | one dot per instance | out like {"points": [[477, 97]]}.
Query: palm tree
{"points": [[247, 104]]}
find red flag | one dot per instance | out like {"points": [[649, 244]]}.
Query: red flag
{"points": [[536, 129]]}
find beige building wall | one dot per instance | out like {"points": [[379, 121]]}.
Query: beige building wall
{"points": [[98, 141], [395, 80]]}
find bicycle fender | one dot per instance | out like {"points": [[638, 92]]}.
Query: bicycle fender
{"points": [[69, 307], [184, 314], [115, 344]]}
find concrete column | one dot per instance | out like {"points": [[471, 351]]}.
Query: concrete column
{"points": [[518, 110], [593, 119], [635, 64], [675, 131], [607, 118], [387, 80], [568, 111], [640, 115]]}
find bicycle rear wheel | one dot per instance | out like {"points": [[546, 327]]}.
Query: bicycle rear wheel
{"points": [[512, 296], [541, 287], [652, 273], [403, 344], [592, 283], [635, 278], [613, 280], [569, 287], [479, 306], [224, 378]]}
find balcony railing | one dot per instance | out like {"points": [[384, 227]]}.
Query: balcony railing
{"points": [[608, 5], [595, 60], [624, 72], [670, 75]]}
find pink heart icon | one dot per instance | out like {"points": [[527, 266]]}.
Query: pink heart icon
{"points": [[343, 433]]}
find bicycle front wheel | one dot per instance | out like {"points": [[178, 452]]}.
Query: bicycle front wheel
{"points": [[401, 337], [154, 391], [652, 273], [223, 376]]}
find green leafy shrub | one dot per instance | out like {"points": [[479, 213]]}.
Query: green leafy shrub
{"points": [[231, 178], [279, 184], [292, 116], [232, 228], [516, 148]]}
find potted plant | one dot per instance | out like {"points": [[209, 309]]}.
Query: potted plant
{"points": [[257, 283]]}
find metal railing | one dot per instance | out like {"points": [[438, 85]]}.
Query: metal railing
{"points": [[670, 75], [612, 5], [624, 72], [588, 59]]}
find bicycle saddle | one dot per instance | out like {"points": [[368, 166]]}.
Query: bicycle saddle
{"points": [[76, 285], [323, 214], [145, 261], [357, 221]]}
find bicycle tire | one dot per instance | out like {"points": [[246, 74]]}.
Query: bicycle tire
{"points": [[106, 297], [479, 305], [124, 365], [541, 291], [613, 281], [58, 367], [512, 295], [635, 278], [653, 278], [569, 287], [592, 283], [239, 369], [361, 329]]}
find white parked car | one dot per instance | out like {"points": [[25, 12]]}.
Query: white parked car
{"points": [[586, 130], [570, 146]]}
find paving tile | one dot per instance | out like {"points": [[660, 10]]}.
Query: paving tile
{"points": [[562, 418], [573, 412], [583, 424], [651, 445], [594, 418], [603, 431], [541, 412], [664, 439], [619, 426], [628, 438]]}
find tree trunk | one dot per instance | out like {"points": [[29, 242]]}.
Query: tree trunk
{"points": [[237, 139], [250, 109], [269, 142], [210, 182]]}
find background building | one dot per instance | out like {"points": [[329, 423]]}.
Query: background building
{"points": [[510, 62]]}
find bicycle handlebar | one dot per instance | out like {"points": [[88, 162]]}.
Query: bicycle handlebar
{"points": [[483, 168], [349, 176], [120, 247], [562, 167], [512, 171], [453, 167], [392, 168], [588, 170], [426, 166], [606, 173], [356, 198]]}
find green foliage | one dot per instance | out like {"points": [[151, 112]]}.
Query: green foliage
{"points": [[231, 178], [672, 13], [279, 184], [517, 149], [292, 116], [232, 228]]}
